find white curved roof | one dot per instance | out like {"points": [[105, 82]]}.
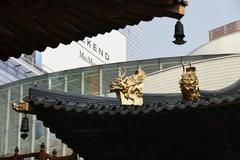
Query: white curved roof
{"points": [[213, 74], [229, 44]]}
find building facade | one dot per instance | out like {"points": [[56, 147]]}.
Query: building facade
{"points": [[135, 42], [224, 30], [102, 49], [14, 69], [222, 40], [117, 46]]}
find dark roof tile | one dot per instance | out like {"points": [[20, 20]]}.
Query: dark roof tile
{"points": [[35, 25]]}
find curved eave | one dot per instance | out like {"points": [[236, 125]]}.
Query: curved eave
{"points": [[35, 25], [99, 126], [41, 99]]}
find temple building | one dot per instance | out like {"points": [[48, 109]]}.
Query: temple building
{"points": [[83, 81], [196, 124]]}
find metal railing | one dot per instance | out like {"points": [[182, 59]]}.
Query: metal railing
{"points": [[41, 155]]}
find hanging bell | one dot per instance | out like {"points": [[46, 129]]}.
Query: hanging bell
{"points": [[179, 34], [24, 126], [24, 135]]}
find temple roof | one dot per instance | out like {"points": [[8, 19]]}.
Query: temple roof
{"points": [[108, 105], [36, 24], [100, 128]]}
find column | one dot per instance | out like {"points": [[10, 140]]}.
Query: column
{"points": [[63, 147], [47, 138], [65, 83], [100, 81], [19, 120], [33, 133], [160, 65], [47, 130], [82, 82], [7, 122]]}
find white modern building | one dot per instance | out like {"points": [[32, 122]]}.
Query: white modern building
{"points": [[213, 74], [135, 42], [228, 44], [216, 73], [117, 46], [102, 49], [222, 40]]}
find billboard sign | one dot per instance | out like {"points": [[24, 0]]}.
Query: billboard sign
{"points": [[103, 49]]}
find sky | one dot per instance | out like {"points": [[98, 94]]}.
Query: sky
{"points": [[200, 17]]}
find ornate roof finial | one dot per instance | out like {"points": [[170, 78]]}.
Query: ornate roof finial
{"points": [[42, 146], [16, 150], [189, 84], [129, 89], [54, 153], [22, 106]]}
